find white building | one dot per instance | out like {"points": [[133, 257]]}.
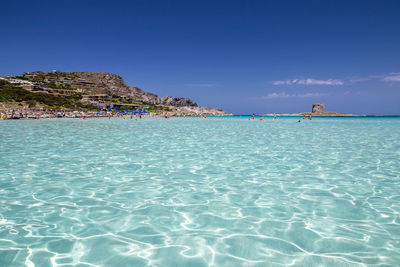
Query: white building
{"points": [[18, 81]]}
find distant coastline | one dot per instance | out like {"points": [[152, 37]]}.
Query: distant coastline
{"points": [[318, 110], [327, 114]]}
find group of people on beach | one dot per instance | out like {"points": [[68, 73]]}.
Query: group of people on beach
{"points": [[14, 115]]}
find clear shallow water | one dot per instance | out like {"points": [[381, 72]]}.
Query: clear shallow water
{"points": [[200, 192]]}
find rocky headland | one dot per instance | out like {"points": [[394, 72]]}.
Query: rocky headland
{"points": [[56, 91]]}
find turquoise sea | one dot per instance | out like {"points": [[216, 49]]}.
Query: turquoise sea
{"points": [[200, 192]]}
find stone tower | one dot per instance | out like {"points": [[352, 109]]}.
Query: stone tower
{"points": [[318, 108]]}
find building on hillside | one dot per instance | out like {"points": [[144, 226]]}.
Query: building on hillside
{"points": [[19, 81], [37, 88], [29, 87], [60, 91], [81, 90], [94, 98]]}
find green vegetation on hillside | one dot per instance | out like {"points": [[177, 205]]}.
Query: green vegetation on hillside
{"points": [[41, 79], [12, 93]]}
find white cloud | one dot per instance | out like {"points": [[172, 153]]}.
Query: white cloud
{"points": [[286, 95], [392, 77], [278, 95], [309, 81], [324, 82], [312, 95], [389, 78]]}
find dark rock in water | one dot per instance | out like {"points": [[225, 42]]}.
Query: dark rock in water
{"points": [[177, 102]]}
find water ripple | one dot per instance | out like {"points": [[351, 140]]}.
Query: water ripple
{"points": [[195, 192]]}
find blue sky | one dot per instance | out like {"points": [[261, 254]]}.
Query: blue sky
{"points": [[242, 56]]}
